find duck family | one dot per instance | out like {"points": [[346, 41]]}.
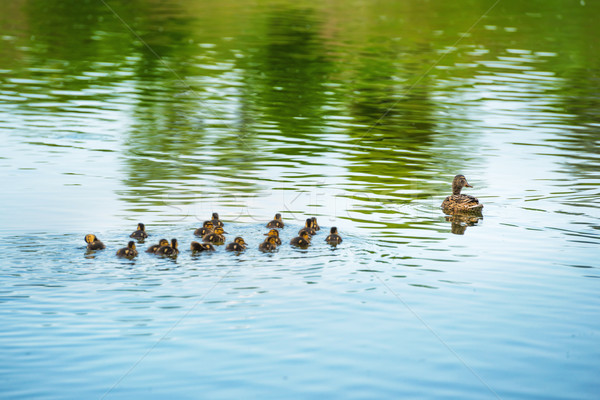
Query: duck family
{"points": [[213, 233]]}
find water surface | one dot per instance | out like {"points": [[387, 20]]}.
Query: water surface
{"points": [[359, 113]]}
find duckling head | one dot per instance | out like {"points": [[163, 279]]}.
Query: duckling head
{"points": [[308, 223], [273, 232], [215, 215], [333, 230], [163, 242], [90, 238], [174, 243], [458, 183], [131, 245], [208, 224], [141, 227], [272, 240], [219, 230], [304, 235], [278, 217], [240, 240]]}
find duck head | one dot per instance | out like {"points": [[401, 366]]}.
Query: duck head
{"points": [[273, 232], [90, 238], [458, 183]]}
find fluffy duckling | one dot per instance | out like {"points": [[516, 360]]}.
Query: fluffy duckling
{"points": [[129, 251], [315, 226], [93, 243], [215, 237], [269, 244], [275, 233], [167, 250], [140, 233], [152, 249], [308, 228], [460, 202], [276, 223], [303, 240], [216, 221], [238, 244], [207, 227], [333, 237], [196, 247]]}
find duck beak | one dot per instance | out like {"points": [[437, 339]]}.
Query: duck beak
{"points": [[467, 184]]}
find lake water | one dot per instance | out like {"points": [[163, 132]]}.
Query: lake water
{"points": [[357, 112]]}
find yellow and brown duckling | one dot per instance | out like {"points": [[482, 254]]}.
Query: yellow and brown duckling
{"points": [[152, 249], [308, 228], [461, 202], [129, 251], [207, 227], [238, 244], [315, 226], [334, 237], [303, 240], [140, 233], [93, 243], [168, 250], [269, 244], [275, 233], [276, 223], [216, 221], [196, 247], [215, 237]]}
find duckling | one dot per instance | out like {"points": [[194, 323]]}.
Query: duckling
{"points": [[215, 237], [275, 233], [303, 240], [140, 234], [333, 237], [460, 202], [129, 251], [238, 244], [315, 226], [196, 247], [93, 243], [167, 250], [152, 249], [308, 228], [207, 227], [276, 223], [216, 221], [269, 244]]}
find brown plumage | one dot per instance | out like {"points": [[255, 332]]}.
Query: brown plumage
{"points": [[269, 244], [207, 227], [196, 247], [238, 244], [140, 233], [170, 251], [152, 249], [460, 202], [333, 237], [276, 223], [274, 233], [93, 243], [215, 237], [216, 221], [129, 251], [303, 240]]}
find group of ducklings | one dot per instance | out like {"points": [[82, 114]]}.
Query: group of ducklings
{"points": [[212, 233]]}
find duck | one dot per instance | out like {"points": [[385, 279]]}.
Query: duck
{"points": [[93, 243], [315, 226], [168, 250], [276, 223], [207, 227], [216, 221], [274, 233], [238, 244], [196, 247], [460, 202], [140, 233], [129, 251], [308, 228], [215, 237], [303, 240], [269, 244], [152, 249], [333, 237]]}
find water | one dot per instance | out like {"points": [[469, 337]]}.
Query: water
{"points": [[357, 112]]}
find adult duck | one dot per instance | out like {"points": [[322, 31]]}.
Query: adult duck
{"points": [[458, 202]]}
